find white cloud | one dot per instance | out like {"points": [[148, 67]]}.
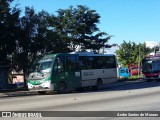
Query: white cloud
{"points": [[111, 50], [151, 44]]}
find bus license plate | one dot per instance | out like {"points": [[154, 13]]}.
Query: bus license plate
{"points": [[37, 86]]}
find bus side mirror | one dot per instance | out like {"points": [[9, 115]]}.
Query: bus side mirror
{"points": [[55, 70]]}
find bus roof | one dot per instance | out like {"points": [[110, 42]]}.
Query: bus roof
{"points": [[123, 68], [90, 54], [152, 56], [79, 54]]}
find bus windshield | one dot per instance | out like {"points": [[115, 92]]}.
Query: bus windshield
{"points": [[151, 65], [43, 65]]}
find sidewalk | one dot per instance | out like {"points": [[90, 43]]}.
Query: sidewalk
{"points": [[16, 93]]}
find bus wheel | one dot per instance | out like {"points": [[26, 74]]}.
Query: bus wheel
{"points": [[62, 88], [99, 85], [41, 92]]}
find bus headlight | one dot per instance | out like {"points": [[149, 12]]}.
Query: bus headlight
{"points": [[46, 84], [45, 75], [29, 85], [143, 76]]}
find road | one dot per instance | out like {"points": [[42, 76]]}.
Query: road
{"points": [[144, 96]]}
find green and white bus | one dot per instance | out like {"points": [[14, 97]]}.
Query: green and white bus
{"points": [[69, 71]]}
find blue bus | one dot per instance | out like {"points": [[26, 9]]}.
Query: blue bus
{"points": [[124, 73]]}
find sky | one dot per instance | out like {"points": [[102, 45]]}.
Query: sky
{"points": [[127, 20]]}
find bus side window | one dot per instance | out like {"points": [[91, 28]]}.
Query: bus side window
{"points": [[90, 62], [85, 62], [100, 62], [82, 62], [127, 71], [59, 65], [71, 63], [111, 63]]}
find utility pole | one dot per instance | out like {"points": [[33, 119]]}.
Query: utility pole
{"points": [[139, 60]]}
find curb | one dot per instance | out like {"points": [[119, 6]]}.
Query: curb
{"points": [[17, 93], [2, 94]]}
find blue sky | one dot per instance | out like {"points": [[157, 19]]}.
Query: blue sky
{"points": [[129, 20]]}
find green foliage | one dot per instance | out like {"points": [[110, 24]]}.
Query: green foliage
{"points": [[131, 52], [24, 38], [9, 18], [36, 37], [78, 27]]}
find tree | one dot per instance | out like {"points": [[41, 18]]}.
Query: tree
{"points": [[47, 36], [36, 38], [9, 19], [78, 27], [34, 34], [142, 51], [131, 53]]}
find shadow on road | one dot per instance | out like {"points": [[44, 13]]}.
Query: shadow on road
{"points": [[124, 85], [139, 85]]}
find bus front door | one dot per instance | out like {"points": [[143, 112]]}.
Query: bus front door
{"points": [[72, 72]]}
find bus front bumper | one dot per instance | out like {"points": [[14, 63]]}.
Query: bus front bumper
{"points": [[46, 86], [151, 77]]}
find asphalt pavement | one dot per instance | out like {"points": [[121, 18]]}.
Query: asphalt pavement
{"points": [[13, 93], [136, 95]]}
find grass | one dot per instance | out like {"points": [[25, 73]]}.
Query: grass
{"points": [[136, 76], [132, 77]]}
